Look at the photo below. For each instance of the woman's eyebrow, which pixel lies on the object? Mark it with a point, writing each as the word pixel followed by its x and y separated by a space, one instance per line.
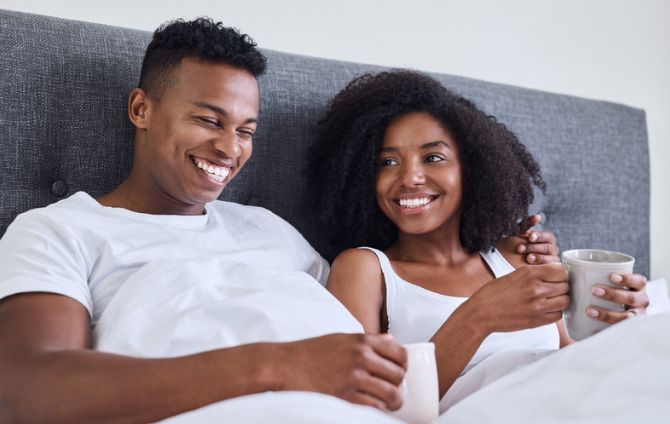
pixel 435 144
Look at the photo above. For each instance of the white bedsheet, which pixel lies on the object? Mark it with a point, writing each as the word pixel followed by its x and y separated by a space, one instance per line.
pixel 621 375
pixel 174 308
pixel 284 407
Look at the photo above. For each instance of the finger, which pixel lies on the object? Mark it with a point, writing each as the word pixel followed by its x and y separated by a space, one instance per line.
pixel 607 315
pixel 551 317
pixel 535 259
pixel 384 369
pixel 542 249
pixel 365 399
pixel 555 291
pixel 636 282
pixel 540 237
pixel 377 388
pixel 530 222
pixel 385 346
pixel 621 296
pixel 551 273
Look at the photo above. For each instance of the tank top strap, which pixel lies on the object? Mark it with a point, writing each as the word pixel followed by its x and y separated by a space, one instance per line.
pixel 390 282
pixel 497 262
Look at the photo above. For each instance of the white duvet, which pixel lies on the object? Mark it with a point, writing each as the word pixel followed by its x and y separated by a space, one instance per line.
pixel 176 308
pixel 621 375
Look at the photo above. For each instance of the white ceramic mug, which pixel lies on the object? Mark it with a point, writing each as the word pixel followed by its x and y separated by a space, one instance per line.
pixel 420 391
pixel 588 267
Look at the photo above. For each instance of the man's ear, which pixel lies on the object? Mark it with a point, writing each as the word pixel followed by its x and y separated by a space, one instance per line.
pixel 139 108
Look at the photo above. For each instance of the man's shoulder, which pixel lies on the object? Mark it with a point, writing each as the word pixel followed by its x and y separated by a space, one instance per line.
pixel 62 211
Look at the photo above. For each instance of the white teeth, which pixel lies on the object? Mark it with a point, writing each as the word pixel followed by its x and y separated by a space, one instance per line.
pixel 414 203
pixel 216 172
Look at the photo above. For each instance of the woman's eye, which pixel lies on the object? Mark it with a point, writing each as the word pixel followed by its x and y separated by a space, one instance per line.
pixel 434 158
pixel 388 162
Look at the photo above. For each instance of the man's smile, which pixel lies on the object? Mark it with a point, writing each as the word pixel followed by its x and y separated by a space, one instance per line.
pixel 215 172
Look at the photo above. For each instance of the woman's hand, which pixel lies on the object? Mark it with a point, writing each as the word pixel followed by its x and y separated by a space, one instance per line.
pixel 631 293
pixel 529 297
pixel 538 247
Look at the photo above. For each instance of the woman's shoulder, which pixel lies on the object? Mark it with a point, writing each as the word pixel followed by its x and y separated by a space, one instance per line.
pixel 357 260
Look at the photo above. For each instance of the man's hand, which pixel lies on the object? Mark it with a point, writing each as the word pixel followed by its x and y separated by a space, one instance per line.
pixel 539 247
pixel 632 293
pixel 363 369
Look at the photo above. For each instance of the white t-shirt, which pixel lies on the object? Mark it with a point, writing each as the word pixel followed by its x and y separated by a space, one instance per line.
pixel 83 250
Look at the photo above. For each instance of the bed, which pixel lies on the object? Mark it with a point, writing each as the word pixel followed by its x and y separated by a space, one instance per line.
pixel 63 129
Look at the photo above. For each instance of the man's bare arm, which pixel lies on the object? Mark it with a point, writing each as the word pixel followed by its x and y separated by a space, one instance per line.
pixel 50 374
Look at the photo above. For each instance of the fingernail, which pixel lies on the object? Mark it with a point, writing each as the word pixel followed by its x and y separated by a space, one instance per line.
pixel 598 291
pixel 533 236
pixel 531 258
pixel 591 313
pixel 616 278
pixel 521 248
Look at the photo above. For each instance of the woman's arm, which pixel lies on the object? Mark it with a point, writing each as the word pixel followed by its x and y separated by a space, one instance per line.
pixel 526 298
pixel 357 281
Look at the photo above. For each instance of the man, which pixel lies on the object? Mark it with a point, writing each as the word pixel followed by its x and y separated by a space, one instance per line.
pixel 196 111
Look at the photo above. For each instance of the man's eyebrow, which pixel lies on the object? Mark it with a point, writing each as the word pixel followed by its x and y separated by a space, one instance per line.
pixel 221 111
pixel 423 146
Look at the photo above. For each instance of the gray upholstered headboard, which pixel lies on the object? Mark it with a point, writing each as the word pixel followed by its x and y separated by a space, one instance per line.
pixel 63 128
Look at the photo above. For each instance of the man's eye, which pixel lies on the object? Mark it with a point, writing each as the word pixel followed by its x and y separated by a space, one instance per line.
pixel 246 135
pixel 210 121
pixel 434 158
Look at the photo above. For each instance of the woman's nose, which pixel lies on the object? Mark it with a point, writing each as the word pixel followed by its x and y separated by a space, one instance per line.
pixel 413 175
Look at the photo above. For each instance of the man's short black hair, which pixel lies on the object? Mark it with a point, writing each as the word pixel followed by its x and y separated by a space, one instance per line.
pixel 201 38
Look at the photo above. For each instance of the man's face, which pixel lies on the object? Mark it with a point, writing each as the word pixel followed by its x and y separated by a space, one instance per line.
pixel 197 135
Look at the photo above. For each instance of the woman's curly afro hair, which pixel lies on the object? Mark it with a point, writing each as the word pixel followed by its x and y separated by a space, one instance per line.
pixel 498 173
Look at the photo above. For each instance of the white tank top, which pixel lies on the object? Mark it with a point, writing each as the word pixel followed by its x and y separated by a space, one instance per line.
pixel 415 314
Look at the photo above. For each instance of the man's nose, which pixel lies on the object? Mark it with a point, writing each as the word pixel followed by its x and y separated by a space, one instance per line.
pixel 228 144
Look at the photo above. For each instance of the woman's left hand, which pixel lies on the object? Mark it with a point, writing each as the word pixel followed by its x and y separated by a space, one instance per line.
pixel 632 294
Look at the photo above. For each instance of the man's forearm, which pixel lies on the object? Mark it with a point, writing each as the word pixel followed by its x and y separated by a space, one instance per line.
pixel 89 386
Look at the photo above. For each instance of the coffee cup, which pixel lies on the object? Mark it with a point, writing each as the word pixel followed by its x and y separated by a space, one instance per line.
pixel 586 268
pixel 420 391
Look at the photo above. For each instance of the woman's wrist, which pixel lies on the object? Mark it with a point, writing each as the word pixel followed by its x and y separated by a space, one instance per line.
pixel 474 319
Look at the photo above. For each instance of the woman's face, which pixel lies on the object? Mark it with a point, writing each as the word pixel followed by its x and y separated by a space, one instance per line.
pixel 419 175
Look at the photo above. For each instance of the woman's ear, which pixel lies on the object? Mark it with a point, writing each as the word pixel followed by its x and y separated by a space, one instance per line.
pixel 139 108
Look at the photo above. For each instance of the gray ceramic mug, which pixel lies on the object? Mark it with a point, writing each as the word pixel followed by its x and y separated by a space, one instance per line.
pixel 588 267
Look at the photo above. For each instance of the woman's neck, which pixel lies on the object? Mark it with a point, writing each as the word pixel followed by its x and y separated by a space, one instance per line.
pixel 439 248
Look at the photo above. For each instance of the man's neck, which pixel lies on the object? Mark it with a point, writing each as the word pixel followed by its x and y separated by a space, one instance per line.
pixel 135 198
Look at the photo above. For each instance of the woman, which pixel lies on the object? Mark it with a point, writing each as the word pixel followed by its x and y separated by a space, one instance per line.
pixel 431 185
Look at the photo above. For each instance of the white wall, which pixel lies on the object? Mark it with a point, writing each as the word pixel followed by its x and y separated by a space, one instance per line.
pixel 615 50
